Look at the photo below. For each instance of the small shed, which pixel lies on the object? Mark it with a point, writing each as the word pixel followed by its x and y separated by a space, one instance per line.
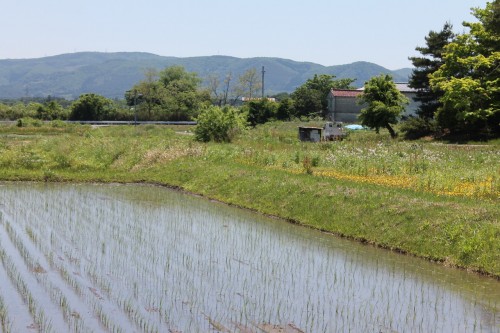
pixel 312 134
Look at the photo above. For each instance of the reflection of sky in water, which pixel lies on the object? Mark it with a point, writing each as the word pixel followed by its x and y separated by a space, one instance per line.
pixel 191 263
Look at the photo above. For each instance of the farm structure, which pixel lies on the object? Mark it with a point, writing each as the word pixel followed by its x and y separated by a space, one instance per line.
pixel 343 104
pixel 310 133
pixel 329 132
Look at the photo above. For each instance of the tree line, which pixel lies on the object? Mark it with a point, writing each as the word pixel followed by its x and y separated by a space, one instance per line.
pixel 175 94
pixel 457 78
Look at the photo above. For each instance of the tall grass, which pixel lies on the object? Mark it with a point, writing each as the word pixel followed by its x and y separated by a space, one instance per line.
pixel 444 169
pixel 457 170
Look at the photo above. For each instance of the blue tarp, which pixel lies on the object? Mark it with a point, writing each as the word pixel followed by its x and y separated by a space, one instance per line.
pixel 354 127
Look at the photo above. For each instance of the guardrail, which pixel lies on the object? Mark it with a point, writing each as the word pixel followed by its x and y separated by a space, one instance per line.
pixel 131 122
pixel 115 122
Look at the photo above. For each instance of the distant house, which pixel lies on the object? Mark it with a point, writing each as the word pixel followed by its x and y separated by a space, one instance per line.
pixel 243 100
pixel 410 93
pixel 343 104
pixel 249 99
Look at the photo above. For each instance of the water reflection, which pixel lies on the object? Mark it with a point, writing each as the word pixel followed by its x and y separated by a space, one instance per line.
pixel 169 261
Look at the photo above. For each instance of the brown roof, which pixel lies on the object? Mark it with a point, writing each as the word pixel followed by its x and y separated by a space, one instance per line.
pixel 345 93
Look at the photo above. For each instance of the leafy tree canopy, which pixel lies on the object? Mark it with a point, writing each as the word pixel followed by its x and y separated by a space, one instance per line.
pixel 385 103
pixel 260 111
pixel 50 110
pixel 178 79
pixel 470 77
pixel 286 109
pixel 172 94
pixel 92 107
pixel 311 97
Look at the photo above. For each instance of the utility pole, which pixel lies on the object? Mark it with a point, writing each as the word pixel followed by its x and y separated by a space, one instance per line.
pixel 263 71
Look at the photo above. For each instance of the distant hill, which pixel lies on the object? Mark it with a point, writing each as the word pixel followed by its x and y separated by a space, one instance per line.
pixel 111 74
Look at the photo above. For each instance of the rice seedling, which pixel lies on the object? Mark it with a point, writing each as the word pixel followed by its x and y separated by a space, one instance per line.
pixel 5 324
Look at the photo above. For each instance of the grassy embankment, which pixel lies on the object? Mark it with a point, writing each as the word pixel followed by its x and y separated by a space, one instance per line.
pixel 432 200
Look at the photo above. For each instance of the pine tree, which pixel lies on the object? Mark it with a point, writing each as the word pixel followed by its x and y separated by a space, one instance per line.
pixel 431 61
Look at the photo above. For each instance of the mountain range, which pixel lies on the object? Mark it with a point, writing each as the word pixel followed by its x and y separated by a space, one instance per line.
pixel 111 74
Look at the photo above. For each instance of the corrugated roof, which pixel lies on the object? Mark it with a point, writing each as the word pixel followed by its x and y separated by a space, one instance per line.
pixel 401 86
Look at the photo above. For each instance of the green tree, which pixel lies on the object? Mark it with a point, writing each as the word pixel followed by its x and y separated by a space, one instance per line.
pixel 50 110
pixel 281 96
pixel 260 111
pixel 470 77
pixel 28 110
pixel 286 109
pixel 307 102
pixel 183 97
pixel 4 109
pixel 92 107
pixel 219 124
pixel 147 96
pixel 430 61
pixel 177 77
pixel 311 97
pixel 20 110
pixel 172 94
pixel 385 103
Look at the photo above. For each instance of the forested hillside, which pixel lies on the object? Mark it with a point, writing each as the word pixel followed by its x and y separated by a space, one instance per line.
pixel 111 74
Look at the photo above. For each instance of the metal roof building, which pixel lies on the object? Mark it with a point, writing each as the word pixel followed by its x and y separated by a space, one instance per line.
pixel 343 104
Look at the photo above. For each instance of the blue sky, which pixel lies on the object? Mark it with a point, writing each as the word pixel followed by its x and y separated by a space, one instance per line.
pixel 328 32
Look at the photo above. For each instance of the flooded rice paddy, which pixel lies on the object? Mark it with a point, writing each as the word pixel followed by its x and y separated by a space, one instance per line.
pixel 131 258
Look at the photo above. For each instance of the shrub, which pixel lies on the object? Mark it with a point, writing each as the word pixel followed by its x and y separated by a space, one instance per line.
pixel 29 122
pixel 58 123
pixel 307 164
pixel 219 124
pixel 260 111
pixel 416 127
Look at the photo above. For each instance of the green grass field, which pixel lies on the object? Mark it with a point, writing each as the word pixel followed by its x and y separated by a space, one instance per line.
pixel 431 199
